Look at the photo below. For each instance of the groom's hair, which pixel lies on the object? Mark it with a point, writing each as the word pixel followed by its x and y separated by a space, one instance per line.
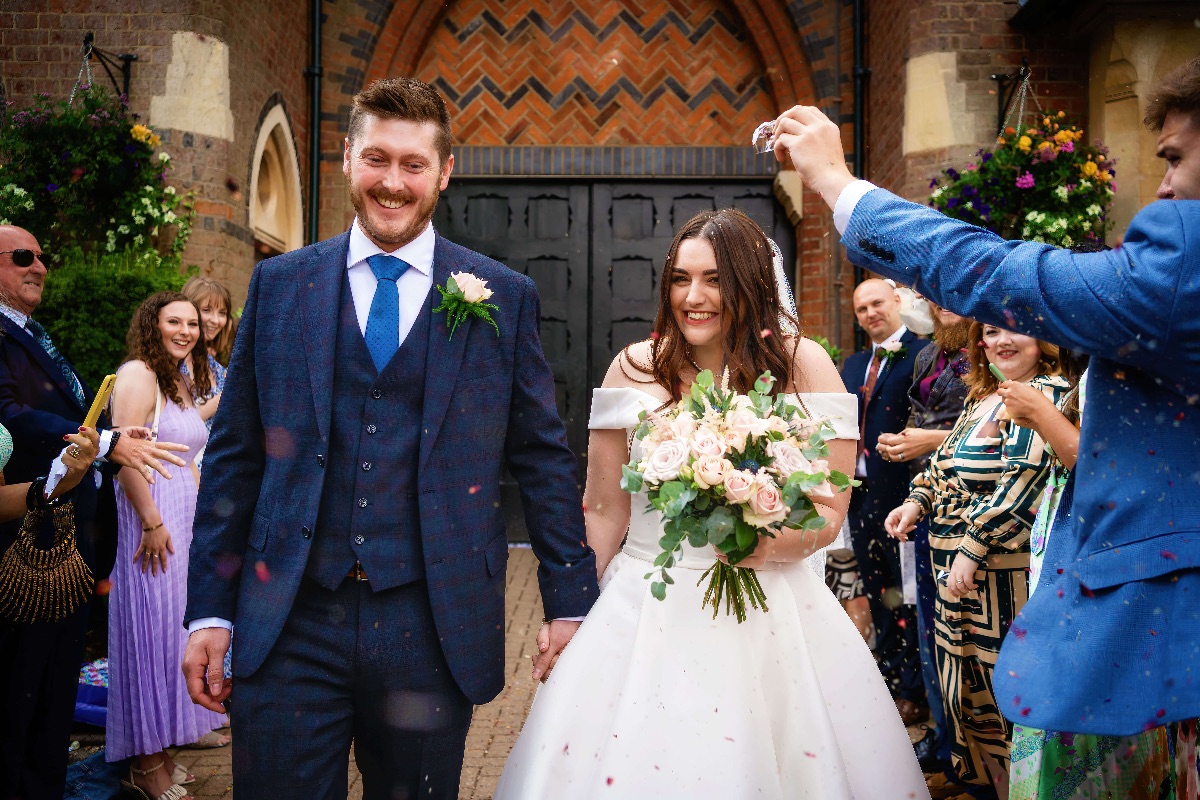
pixel 403 98
pixel 1178 91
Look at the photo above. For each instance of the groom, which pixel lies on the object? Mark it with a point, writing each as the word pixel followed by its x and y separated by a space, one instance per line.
pixel 349 524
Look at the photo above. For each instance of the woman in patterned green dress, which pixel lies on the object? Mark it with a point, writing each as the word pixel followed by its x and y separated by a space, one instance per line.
pixel 980 493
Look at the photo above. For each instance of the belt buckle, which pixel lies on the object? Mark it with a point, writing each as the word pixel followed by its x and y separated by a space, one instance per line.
pixel 357 572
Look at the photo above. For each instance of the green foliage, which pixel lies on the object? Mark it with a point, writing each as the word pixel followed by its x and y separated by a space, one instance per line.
pixel 86 175
pixel 89 301
pixel 1041 183
pixel 835 352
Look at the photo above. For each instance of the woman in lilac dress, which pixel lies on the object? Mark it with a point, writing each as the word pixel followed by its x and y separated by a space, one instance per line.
pixel 148 705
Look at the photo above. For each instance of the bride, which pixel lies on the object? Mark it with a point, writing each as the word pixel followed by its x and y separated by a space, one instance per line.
pixel 658 699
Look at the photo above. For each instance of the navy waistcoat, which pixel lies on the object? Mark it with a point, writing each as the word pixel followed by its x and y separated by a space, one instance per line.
pixel 368 510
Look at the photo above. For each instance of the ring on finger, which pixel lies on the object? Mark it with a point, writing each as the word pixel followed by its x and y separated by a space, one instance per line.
pixel 74 451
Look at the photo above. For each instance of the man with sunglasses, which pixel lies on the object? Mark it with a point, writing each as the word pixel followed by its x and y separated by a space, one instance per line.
pixel 41 400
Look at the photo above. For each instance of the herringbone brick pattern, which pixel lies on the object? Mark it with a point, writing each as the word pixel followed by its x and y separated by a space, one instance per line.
pixel 597 72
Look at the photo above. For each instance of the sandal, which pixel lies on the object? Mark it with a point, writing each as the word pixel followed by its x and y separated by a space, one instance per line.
pixel 209 741
pixel 182 776
pixel 174 792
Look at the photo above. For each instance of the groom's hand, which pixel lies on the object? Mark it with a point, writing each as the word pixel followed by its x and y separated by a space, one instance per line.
pixel 204 668
pixel 813 142
pixel 552 639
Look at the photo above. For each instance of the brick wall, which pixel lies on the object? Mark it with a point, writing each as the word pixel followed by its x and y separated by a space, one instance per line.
pixel 978 31
pixel 40 51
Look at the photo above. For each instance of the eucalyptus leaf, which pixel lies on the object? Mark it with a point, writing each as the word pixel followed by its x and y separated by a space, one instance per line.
pixel 745 535
pixel 659 590
pixel 631 479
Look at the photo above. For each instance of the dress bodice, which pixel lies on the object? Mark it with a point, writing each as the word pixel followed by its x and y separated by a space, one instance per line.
pixel 619 409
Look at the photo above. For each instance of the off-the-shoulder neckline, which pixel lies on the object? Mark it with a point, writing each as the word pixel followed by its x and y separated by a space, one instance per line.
pixel 660 401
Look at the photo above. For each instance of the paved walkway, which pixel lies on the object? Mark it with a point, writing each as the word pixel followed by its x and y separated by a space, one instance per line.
pixel 494 728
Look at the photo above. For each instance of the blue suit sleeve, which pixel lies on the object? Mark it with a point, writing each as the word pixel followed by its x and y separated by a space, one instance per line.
pixel 233 470
pixel 1125 304
pixel 546 471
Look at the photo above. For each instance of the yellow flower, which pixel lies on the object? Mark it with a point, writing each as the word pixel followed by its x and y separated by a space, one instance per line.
pixel 1062 137
pixel 1000 140
pixel 1044 145
pixel 1104 175
pixel 1089 169
pixel 154 140
pixel 1023 144
pixel 1062 114
pixel 140 132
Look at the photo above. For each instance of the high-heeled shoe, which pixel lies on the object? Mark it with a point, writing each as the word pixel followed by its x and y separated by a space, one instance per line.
pixel 173 792
pixel 182 776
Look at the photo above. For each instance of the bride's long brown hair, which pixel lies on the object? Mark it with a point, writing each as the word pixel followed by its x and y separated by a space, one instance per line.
pixel 753 340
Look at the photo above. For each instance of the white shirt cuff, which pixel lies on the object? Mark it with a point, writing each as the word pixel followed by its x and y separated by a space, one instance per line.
pixel 847 201
pixel 105 444
pixel 567 619
pixel 209 622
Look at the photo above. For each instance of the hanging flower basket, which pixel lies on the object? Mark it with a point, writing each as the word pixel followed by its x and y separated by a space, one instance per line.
pixel 1042 184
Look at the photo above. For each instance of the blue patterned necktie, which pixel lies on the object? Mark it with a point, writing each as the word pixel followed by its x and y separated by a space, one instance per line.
pixel 44 340
pixel 383 323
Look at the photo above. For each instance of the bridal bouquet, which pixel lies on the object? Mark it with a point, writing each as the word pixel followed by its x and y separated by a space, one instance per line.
pixel 724 469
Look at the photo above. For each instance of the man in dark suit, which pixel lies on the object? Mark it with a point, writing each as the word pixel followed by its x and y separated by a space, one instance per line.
pixel 42 399
pixel 349 522
pixel 881 376
pixel 1109 641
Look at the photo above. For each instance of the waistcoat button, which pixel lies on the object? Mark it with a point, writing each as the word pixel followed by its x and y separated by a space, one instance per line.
pixel 305 532
pixel 376 394
pixel 359 539
pixel 362 502
pixel 371 428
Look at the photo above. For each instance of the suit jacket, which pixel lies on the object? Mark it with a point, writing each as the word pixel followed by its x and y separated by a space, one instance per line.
pixel 489 400
pixel 885 412
pixel 38 407
pixel 1110 641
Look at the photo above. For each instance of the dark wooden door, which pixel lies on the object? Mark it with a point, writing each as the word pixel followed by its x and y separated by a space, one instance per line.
pixel 595 250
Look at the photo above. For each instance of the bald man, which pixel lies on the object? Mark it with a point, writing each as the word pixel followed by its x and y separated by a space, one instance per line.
pixel 881 376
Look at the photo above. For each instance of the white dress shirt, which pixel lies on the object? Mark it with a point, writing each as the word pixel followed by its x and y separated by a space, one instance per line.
pixel 847 201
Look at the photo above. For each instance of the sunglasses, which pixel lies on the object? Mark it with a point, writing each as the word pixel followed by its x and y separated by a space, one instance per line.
pixel 23 257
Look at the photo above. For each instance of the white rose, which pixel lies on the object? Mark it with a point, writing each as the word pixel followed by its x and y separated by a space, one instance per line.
pixel 666 461
pixel 787 459
pixel 709 471
pixel 745 422
pixel 707 443
pixel 684 425
pixel 474 290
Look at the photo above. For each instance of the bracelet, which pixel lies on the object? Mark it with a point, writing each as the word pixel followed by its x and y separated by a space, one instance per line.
pixel 112 443
pixel 151 528
pixel 34 497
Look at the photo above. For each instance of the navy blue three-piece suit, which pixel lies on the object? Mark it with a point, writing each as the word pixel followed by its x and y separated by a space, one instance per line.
pixel 884 488
pixel 318 462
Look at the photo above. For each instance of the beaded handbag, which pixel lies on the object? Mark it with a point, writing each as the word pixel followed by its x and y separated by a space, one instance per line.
pixel 40 585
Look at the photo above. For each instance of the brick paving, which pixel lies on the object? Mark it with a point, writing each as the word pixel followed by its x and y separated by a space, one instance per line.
pixel 494 727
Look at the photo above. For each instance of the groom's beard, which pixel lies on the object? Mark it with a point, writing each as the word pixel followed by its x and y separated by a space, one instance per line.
pixel 393 235
pixel 951 338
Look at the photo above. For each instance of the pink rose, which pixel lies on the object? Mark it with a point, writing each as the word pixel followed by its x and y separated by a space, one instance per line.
pixel 709 471
pixel 787 459
pixel 766 505
pixel 684 425
pixel 474 289
pixel 706 443
pixel 666 461
pixel 739 485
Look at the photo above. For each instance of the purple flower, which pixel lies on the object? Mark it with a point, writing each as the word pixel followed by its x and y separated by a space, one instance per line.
pixel 953 173
pixel 933 184
pixel 1026 181
pixel 51 187
pixel 986 157
pixel 1067 147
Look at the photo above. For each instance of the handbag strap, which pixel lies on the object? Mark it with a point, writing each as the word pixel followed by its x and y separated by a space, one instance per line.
pixel 158 404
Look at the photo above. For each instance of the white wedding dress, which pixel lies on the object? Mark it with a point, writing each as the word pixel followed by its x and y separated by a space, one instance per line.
pixel 656 699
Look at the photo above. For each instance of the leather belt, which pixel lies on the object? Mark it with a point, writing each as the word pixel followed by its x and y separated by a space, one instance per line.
pixel 357 572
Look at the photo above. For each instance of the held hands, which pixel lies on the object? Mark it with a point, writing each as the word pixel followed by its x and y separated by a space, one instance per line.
pixel 552 639
pixel 763 552
pixel 814 144
pixel 81 451
pixel 153 550
pixel 962 575
pixel 203 668
pixel 136 450
pixel 1026 406
pixel 901 520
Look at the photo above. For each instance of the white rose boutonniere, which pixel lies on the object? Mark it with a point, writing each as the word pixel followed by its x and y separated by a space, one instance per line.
pixel 464 296
pixel 895 349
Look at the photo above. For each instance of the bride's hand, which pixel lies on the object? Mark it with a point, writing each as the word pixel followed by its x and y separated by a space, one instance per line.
pixel 756 560
pixel 552 639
